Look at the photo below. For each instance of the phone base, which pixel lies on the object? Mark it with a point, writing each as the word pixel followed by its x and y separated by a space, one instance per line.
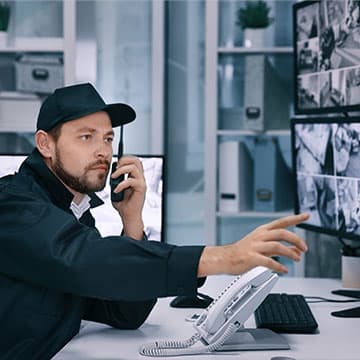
pixel 255 339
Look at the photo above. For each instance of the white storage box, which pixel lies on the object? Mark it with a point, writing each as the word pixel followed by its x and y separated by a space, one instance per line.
pixel 18 112
pixel 39 73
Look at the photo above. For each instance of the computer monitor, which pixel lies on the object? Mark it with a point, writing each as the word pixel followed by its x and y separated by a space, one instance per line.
pixel 107 219
pixel 326 56
pixel 326 165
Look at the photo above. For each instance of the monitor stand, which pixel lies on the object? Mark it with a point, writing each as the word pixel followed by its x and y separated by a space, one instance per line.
pixel 352 312
pixel 348 313
pixel 347 292
pixel 199 301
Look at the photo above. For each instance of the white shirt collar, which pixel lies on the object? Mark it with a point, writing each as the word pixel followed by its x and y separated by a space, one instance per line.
pixel 79 209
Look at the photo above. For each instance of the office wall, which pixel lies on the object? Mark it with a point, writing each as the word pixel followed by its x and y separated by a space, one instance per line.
pixel 114 51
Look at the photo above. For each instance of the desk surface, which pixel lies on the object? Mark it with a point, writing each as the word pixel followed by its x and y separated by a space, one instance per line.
pixel 336 339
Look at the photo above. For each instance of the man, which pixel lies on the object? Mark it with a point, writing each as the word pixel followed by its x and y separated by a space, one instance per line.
pixel 56 269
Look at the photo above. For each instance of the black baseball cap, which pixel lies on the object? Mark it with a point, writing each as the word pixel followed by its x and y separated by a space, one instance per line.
pixel 73 102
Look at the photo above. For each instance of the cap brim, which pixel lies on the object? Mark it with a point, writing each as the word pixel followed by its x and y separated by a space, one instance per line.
pixel 120 114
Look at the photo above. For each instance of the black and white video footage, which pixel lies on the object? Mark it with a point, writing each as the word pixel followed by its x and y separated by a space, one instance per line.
pixel 347 150
pixel 348 210
pixel 314 150
pixel 339 34
pixel 307 56
pixel 316 196
pixel 307 23
pixel 332 88
pixel 308 91
pixel 352 80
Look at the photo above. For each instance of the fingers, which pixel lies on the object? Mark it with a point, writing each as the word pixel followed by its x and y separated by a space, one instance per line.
pixel 132 170
pixel 128 160
pixel 135 184
pixel 288 236
pixel 132 166
pixel 129 165
pixel 278 249
pixel 287 221
pixel 271 264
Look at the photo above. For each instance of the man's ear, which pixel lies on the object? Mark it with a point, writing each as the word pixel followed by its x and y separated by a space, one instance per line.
pixel 45 144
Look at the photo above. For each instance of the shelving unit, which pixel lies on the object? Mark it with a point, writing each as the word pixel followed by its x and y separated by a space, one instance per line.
pixel 214 135
pixel 33 44
pixel 245 50
pixel 252 133
pixel 252 214
pixel 64 45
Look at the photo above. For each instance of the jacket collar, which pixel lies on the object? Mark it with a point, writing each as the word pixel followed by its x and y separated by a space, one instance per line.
pixel 61 196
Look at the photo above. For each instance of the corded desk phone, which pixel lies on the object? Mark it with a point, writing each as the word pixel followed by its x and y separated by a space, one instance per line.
pixel 219 327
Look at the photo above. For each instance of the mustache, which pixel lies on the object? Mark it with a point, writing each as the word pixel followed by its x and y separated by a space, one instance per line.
pixel 98 163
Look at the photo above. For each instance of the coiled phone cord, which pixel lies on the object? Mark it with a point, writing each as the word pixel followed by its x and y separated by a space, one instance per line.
pixel 183 347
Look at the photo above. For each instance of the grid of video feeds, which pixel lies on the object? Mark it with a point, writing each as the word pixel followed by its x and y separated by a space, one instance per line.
pixel 327 168
pixel 327 48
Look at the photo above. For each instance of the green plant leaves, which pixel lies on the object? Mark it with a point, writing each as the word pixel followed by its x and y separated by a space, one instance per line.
pixel 4 15
pixel 255 14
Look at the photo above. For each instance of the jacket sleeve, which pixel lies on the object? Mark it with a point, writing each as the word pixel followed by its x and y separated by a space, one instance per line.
pixel 44 245
pixel 119 314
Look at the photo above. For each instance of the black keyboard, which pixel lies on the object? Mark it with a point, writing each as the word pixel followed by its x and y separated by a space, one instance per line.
pixel 285 313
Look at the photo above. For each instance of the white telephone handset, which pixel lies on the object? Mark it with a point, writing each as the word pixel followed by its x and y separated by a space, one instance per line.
pixel 236 303
pixel 223 317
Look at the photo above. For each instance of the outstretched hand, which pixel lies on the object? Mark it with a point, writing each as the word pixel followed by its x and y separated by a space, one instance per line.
pixel 255 249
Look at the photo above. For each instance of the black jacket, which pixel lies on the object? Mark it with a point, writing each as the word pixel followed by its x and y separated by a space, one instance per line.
pixel 56 270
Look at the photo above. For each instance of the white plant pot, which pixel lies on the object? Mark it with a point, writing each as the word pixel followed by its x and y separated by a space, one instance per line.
pixel 3 39
pixel 254 38
pixel 350 269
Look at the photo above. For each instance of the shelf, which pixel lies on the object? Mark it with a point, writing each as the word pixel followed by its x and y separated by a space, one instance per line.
pixel 253 133
pixel 17 96
pixel 265 50
pixel 253 214
pixel 30 44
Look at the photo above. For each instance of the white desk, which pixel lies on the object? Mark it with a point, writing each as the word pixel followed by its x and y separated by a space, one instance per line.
pixel 337 338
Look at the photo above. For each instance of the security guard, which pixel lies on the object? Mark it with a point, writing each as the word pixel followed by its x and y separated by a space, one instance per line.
pixel 55 267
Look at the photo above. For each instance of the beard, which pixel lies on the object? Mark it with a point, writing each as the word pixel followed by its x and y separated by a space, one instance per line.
pixel 81 184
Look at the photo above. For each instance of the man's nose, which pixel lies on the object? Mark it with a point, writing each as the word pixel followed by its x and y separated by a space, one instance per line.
pixel 103 149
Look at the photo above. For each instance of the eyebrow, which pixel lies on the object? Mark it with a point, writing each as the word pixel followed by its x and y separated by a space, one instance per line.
pixel 92 130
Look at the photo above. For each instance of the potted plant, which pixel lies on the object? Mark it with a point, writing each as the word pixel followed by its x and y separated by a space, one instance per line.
pixel 4 21
pixel 253 19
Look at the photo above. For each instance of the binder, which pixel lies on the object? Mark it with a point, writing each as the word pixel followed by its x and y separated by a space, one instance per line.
pixel 273 179
pixel 266 99
pixel 235 177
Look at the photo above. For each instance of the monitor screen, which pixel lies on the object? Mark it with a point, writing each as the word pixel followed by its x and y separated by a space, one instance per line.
pixel 327 56
pixel 326 165
pixel 107 219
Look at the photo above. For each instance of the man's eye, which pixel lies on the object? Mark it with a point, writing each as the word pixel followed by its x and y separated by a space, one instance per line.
pixel 109 139
pixel 85 137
